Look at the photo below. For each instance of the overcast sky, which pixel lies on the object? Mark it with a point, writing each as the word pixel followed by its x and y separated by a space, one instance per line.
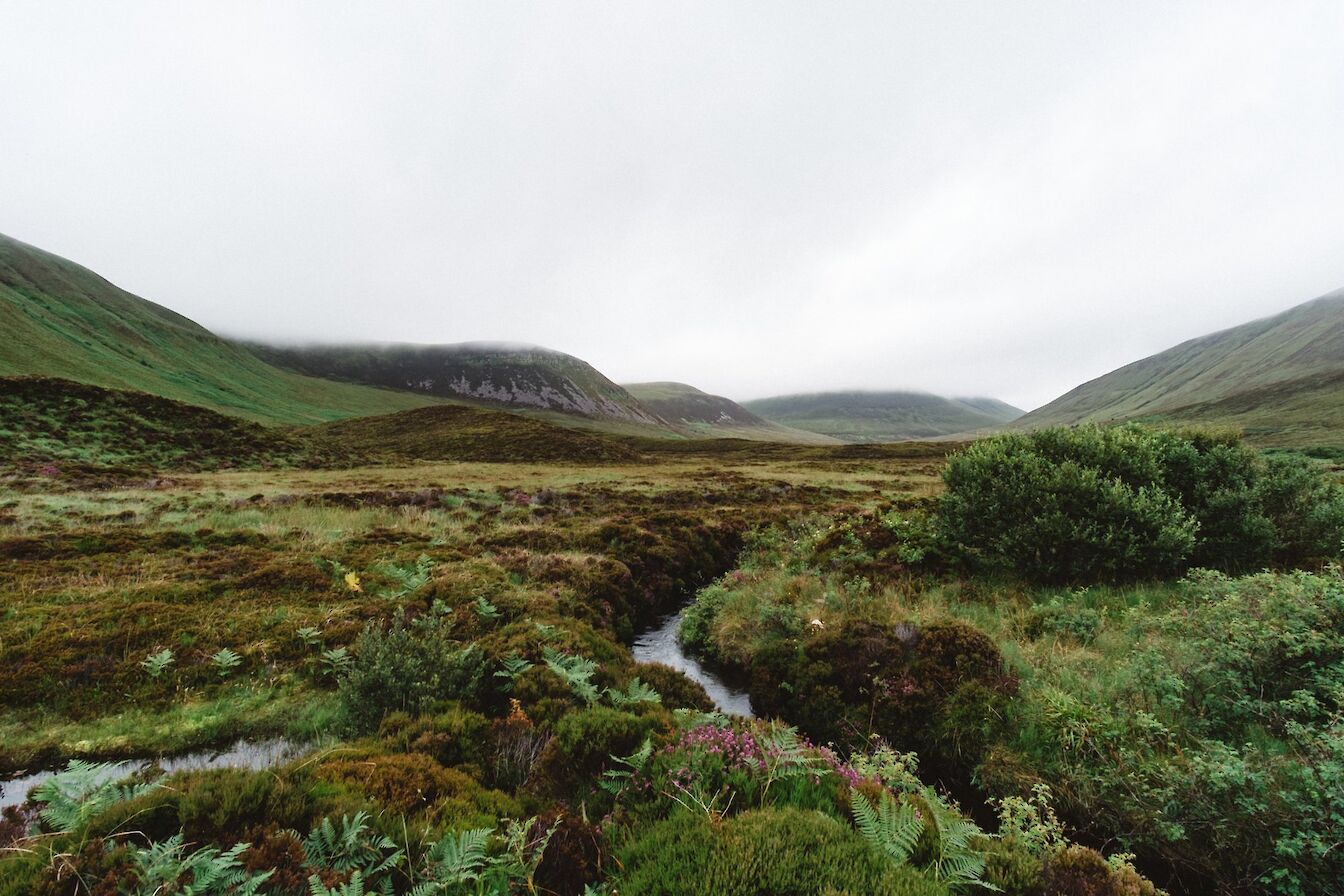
pixel 1002 198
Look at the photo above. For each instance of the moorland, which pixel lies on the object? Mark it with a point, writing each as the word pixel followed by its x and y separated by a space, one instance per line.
pixel 1060 661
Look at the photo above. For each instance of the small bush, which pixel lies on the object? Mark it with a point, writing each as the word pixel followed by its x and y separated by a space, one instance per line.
pixel 583 745
pixel 99 868
pixel 574 856
pixel 406 666
pixel 222 805
pixel 401 782
pixel 1079 871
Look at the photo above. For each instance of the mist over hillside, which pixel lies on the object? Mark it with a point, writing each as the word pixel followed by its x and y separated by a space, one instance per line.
pixel 859 416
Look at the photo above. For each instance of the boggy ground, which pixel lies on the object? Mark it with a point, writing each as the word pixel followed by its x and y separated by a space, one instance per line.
pixel 97 580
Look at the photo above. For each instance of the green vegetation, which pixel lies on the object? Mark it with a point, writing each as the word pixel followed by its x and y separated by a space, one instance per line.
pixel 1194 722
pixel 1279 379
pixel 62 320
pixel 440 601
pixel 884 416
pixel 1106 505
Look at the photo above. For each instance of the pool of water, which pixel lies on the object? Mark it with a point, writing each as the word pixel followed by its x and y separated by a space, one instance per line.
pixel 243 754
pixel 661 645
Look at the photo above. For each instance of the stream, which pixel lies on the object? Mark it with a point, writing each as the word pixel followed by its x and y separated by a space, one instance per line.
pixel 658 644
pixel 243 754
pixel 661 645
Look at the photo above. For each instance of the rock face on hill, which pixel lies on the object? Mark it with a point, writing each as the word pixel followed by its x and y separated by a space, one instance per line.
pixel 524 377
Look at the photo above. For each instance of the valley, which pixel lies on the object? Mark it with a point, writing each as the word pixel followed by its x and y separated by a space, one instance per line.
pixel 618 636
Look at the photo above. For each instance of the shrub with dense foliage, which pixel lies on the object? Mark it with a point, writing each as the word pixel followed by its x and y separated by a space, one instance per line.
pixel 405 666
pixel 1092 504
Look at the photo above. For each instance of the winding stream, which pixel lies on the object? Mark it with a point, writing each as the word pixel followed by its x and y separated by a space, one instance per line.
pixel 253 755
pixel 660 645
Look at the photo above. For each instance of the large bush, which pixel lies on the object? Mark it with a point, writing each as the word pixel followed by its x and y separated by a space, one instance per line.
pixel 1092 504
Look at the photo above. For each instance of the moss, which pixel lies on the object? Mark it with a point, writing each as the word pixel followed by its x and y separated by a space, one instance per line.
pixel 583 745
pixel 783 852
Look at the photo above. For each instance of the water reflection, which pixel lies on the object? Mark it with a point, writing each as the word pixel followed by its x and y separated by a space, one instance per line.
pixel 253 755
pixel 660 645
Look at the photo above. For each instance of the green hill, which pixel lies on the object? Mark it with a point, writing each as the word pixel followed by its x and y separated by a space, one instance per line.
pixel 713 416
pixel 1281 379
pixel 65 433
pixel 63 320
pixel 527 378
pixel 883 416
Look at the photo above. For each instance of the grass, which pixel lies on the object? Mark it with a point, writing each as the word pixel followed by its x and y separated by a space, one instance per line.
pixel 99 578
pixel 248 711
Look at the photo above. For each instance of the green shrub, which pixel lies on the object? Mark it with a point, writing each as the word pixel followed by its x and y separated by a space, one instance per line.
pixel 940 690
pixel 1013 868
pixel 222 805
pixel 406 666
pixel 1067 621
pixel 1092 504
pixel 1066 505
pixel 584 742
pixel 697 622
pixel 782 852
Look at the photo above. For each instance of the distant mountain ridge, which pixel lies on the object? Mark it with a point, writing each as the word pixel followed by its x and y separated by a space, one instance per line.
pixel 1280 378
pixel 859 416
pixel 524 377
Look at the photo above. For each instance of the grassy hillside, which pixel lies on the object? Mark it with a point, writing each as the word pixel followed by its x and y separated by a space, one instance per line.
pixel 63 320
pixel 64 433
pixel 518 377
pixel 1281 378
pixel 883 416
pixel 713 416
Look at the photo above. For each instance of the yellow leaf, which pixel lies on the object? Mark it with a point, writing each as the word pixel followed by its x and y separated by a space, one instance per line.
pixel 352 581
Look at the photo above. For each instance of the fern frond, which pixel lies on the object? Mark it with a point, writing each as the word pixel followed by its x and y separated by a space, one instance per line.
pixel 83 790
pixel 577 672
pixel 635 692
pixel 455 860
pixel 893 827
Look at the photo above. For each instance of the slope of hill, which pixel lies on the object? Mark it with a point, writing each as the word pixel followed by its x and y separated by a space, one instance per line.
pixel 455 432
pixel 68 434
pixel 713 416
pixel 63 320
pixel 883 416
pixel 1281 378
pixel 520 377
